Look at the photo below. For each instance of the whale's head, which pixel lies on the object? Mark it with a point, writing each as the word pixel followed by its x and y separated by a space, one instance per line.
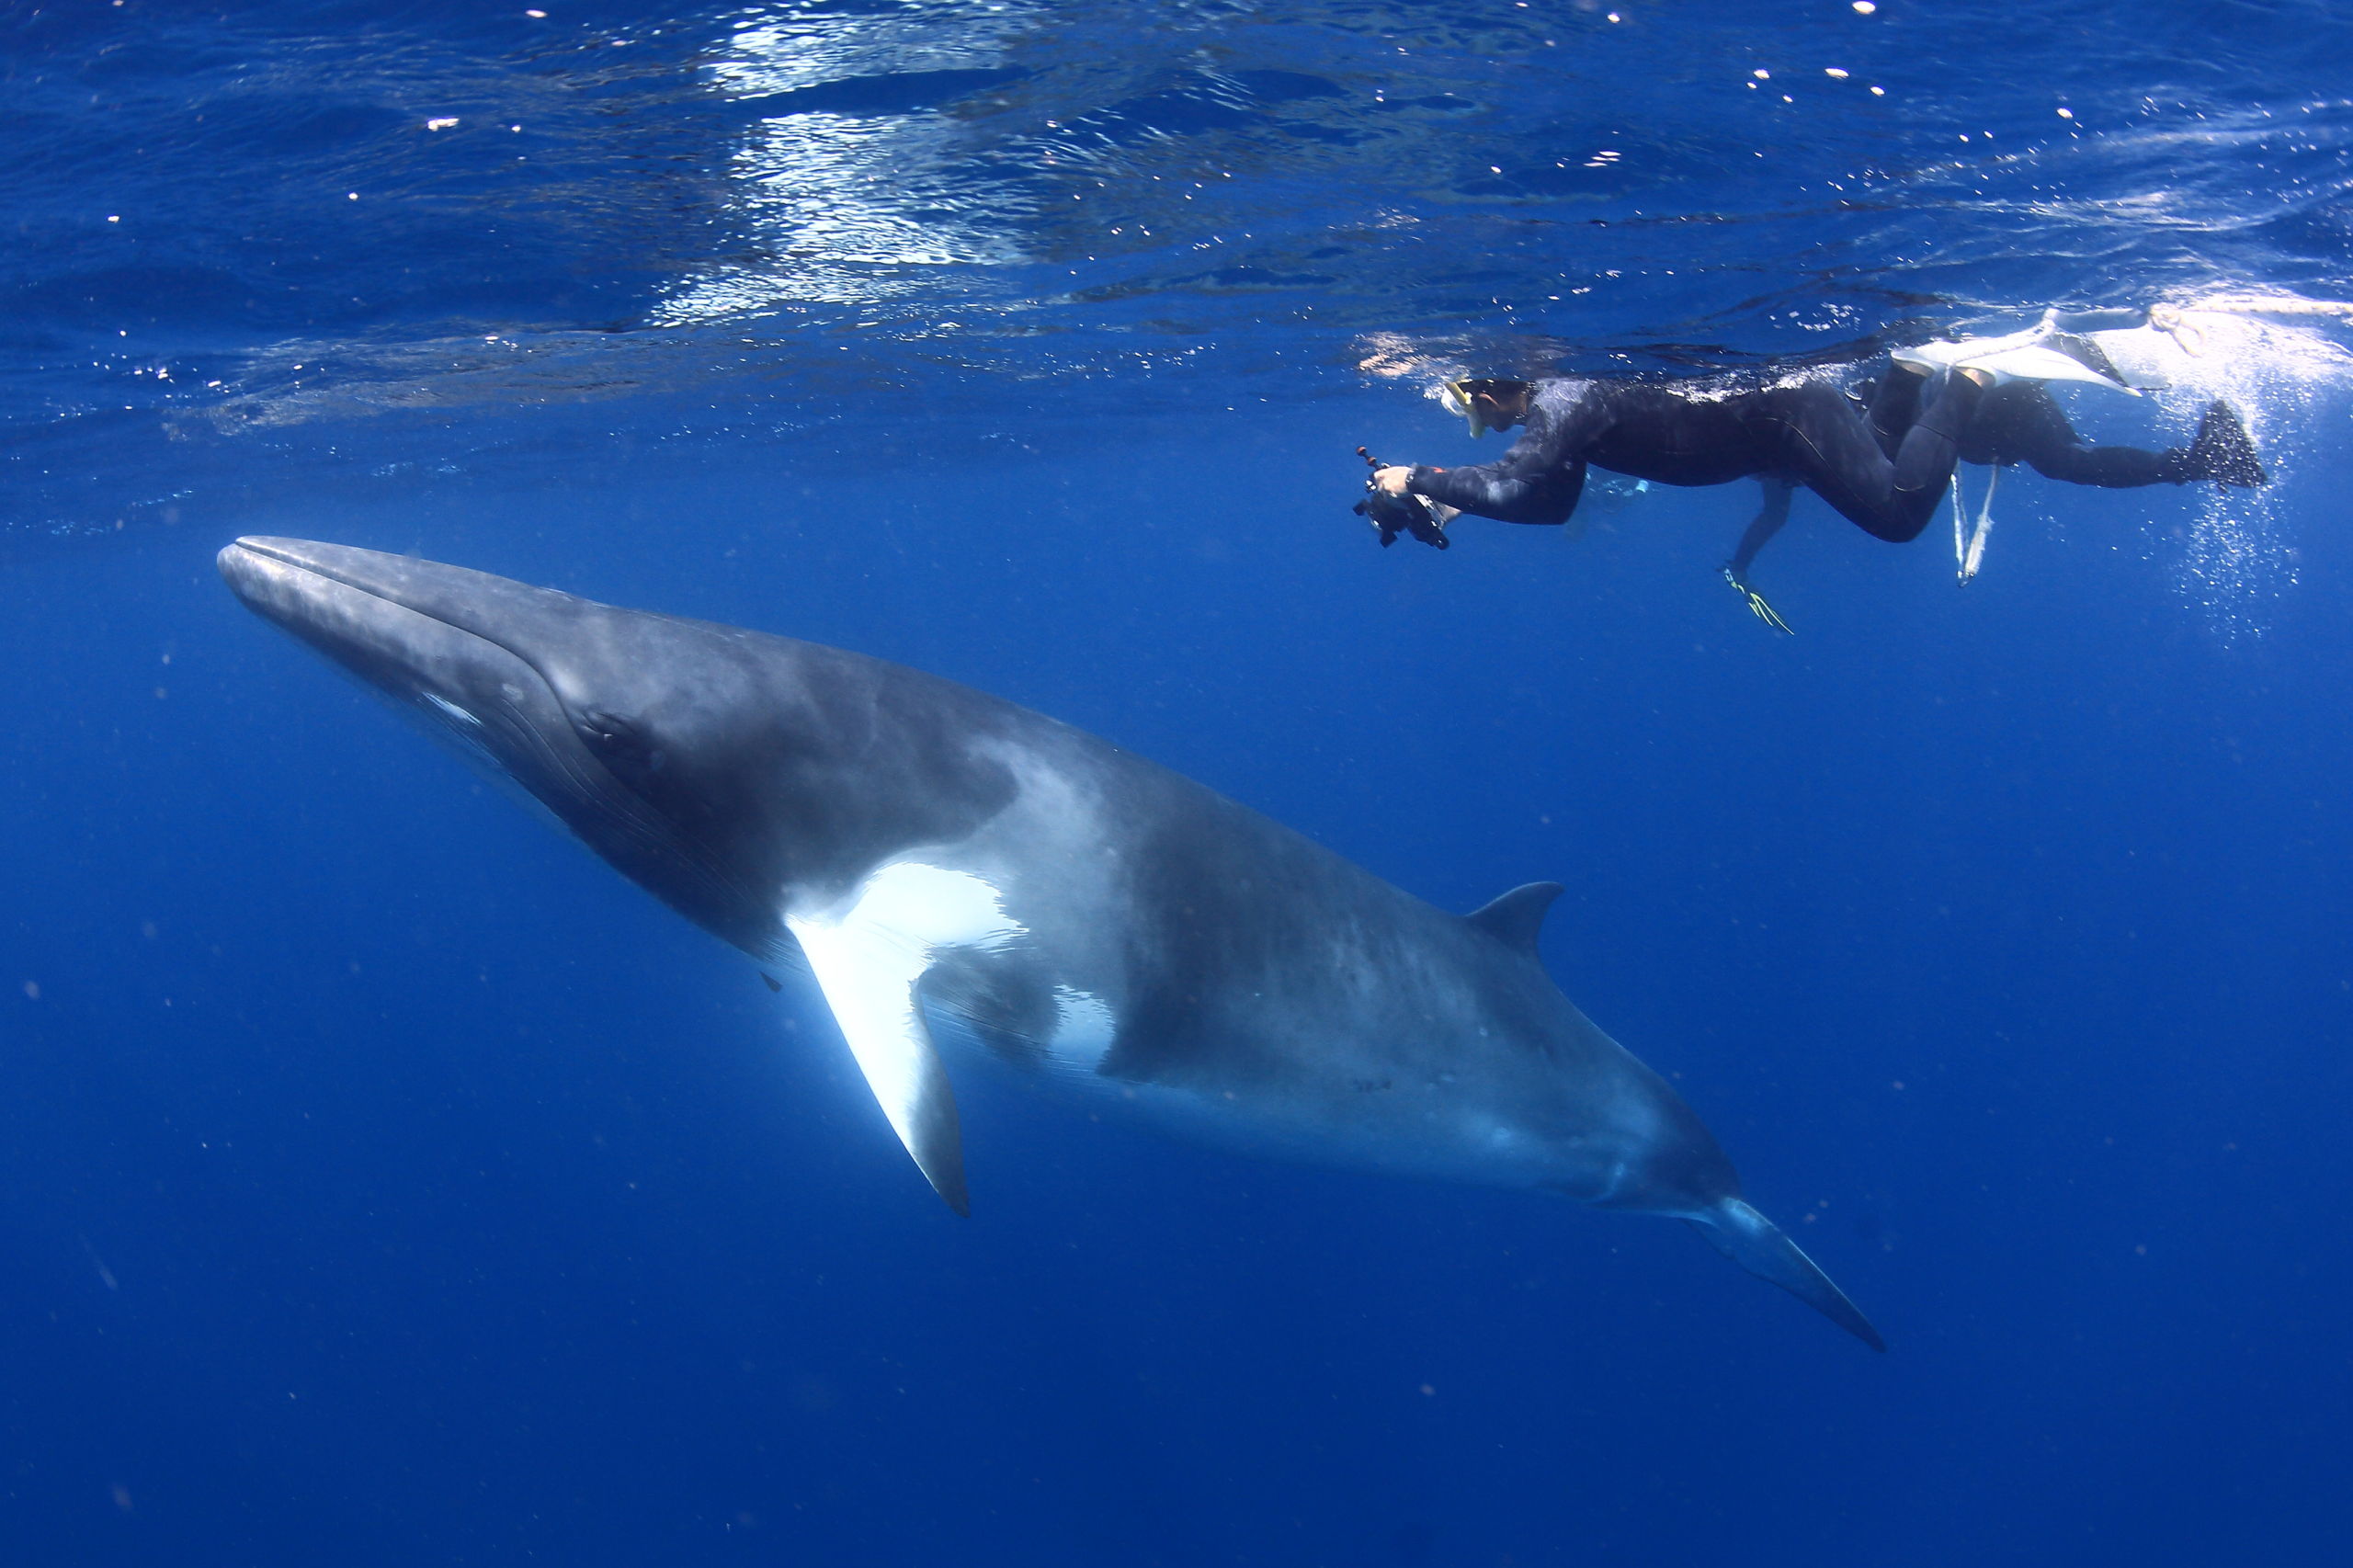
pixel 725 771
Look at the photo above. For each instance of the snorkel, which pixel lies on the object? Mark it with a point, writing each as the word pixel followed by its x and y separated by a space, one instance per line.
pixel 1461 400
pixel 1487 402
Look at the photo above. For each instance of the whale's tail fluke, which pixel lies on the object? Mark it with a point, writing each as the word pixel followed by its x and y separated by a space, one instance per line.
pixel 1757 1244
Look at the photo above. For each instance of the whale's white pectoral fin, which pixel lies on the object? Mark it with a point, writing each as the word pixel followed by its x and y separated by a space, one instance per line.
pixel 868 956
pixel 873 1001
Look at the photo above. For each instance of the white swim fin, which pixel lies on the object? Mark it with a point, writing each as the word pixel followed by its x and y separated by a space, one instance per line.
pixel 2019 356
pixel 2037 362
pixel 1938 353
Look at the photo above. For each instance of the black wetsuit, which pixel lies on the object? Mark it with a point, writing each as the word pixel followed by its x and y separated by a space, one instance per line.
pixel 2019 423
pixel 1804 430
pixel 2015 423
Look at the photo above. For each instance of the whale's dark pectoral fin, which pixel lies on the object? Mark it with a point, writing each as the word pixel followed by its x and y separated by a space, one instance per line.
pixel 1516 917
pixel 1757 1244
pixel 882 1021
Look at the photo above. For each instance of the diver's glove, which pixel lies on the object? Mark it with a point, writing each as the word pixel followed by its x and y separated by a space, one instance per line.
pixel 1394 515
pixel 1757 605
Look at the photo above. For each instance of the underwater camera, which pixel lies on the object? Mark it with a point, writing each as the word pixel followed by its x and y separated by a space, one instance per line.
pixel 1394 515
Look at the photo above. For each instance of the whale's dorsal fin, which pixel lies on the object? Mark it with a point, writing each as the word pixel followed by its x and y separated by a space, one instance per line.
pixel 869 953
pixel 1514 918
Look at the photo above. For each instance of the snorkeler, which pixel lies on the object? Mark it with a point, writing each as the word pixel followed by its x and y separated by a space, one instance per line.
pixel 1883 464
pixel 1804 429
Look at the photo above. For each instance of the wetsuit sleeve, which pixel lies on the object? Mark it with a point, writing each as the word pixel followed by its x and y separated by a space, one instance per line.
pixel 1538 480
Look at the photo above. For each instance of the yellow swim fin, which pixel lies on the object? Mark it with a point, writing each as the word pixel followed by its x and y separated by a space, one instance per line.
pixel 1758 606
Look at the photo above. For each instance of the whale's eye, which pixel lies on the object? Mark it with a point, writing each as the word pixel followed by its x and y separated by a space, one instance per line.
pixel 618 743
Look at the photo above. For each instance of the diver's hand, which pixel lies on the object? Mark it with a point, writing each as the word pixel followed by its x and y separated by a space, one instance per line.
pixel 1390 481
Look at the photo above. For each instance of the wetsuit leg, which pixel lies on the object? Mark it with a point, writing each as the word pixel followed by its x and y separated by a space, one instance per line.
pixel 1823 442
pixel 2020 422
pixel 1772 511
pixel 1896 402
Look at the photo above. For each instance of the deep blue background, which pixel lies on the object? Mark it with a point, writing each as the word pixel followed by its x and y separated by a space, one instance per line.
pixel 462 1204
pixel 384 1181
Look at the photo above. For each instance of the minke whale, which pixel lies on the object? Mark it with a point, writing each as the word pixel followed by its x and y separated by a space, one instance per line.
pixel 955 870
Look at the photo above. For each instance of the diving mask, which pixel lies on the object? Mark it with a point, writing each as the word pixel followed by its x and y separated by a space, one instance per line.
pixel 1459 402
pixel 1463 393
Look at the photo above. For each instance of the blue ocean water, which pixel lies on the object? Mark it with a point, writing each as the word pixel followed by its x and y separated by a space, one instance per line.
pixel 384 1181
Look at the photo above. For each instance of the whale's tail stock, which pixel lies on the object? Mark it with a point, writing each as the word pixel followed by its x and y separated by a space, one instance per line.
pixel 1742 1235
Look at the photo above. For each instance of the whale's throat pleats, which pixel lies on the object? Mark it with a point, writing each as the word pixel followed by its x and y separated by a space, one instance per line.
pixel 869 952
